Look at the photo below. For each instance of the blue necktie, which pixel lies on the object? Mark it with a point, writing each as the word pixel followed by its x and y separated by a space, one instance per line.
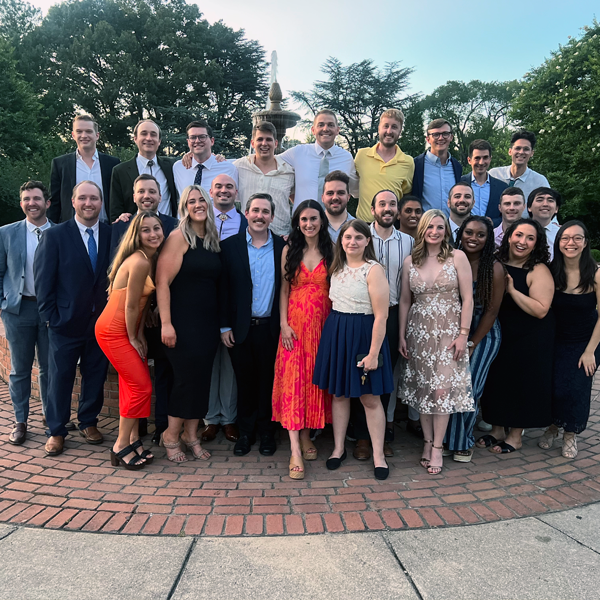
pixel 92 249
pixel 198 178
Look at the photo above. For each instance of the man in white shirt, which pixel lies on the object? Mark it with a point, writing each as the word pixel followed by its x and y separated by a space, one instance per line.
pixel 543 205
pixel 312 162
pixel 511 207
pixel 460 204
pixel 265 172
pixel 335 199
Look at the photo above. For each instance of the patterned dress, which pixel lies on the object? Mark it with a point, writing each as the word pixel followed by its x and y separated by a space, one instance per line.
pixel 434 382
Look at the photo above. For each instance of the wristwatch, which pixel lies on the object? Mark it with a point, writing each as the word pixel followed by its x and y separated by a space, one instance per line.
pixel 470 344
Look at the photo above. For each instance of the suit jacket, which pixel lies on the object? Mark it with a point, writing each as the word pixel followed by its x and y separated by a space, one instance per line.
pixel 62 181
pixel 120 227
pixel 70 294
pixel 417 186
pixel 496 188
pixel 121 186
pixel 13 258
pixel 236 287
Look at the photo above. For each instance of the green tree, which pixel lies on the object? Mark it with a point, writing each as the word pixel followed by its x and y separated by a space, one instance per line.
pixel 17 19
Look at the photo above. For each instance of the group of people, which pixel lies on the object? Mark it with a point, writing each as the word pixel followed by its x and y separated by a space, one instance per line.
pixel 260 299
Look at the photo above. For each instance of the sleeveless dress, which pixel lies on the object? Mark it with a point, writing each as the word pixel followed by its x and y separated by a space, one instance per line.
pixel 347 333
pixel 297 402
pixel 135 385
pixel 576 316
pixel 194 315
pixel 434 382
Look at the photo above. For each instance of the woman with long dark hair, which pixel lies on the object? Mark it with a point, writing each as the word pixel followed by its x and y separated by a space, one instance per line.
pixel 576 351
pixel 298 404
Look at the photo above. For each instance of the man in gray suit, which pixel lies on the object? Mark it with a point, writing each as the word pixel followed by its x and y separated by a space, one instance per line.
pixel 23 327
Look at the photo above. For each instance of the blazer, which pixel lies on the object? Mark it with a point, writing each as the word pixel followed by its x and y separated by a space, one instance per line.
pixel 63 176
pixel 417 186
pixel 121 186
pixel 119 228
pixel 497 186
pixel 13 258
pixel 70 294
pixel 236 286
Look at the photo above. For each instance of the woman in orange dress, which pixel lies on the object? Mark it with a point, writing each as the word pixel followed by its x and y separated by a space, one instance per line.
pixel 120 332
pixel 304 304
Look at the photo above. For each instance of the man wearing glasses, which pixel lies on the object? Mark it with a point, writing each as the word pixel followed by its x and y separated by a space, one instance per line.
pixel 435 170
pixel 204 165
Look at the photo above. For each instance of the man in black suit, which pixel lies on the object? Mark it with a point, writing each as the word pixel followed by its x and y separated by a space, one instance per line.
pixel 147 137
pixel 250 320
pixel 69 270
pixel 85 164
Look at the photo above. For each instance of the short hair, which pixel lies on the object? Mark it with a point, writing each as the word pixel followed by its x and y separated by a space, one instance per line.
pixel 33 184
pixel 393 113
pixel 437 123
pixel 261 196
pixel 77 185
pixel 146 177
pixel 202 123
pixel 265 127
pixel 459 183
pixel 523 134
pixel 338 176
pixel 137 126
pixel 546 191
pixel 409 198
pixel 512 191
pixel 381 192
pixel 326 111
pixel 479 145
pixel 86 118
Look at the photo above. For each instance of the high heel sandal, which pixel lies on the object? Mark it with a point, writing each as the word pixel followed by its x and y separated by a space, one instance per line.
pixel 178 457
pixel 118 458
pixel 569 449
pixel 145 454
pixel 309 450
pixel 203 454
pixel 547 439
pixel 434 469
pixel 425 461
pixel 296 462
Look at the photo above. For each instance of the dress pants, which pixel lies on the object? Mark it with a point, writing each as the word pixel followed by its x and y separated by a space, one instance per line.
pixel 222 404
pixel 254 366
pixel 24 333
pixel 64 352
pixel 163 376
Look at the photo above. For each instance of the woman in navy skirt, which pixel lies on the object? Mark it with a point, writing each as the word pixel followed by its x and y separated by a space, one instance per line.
pixel 354 357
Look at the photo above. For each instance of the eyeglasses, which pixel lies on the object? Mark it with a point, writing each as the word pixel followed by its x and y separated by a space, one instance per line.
pixel 578 239
pixel 200 138
pixel 444 134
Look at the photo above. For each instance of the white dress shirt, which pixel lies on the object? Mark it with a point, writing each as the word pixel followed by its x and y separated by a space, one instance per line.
pixel 551 230
pixel 212 168
pixel 454 229
pixel 32 244
pixel 84 173
pixel 164 205
pixel 529 181
pixel 84 235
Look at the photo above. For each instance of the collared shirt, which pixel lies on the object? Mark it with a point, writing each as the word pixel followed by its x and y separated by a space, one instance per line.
pixel 481 193
pixel 376 175
pixel 306 160
pixel 454 228
pixel 164 205
pixel 279 183
pixel 230 226
pixel 391 254
pixel 184 177
pixel 84 173
pixel 498 235
pixel 262 270
pixel 85 237
pixel 334 233
pixel 551 230
pixel 32 244
pixel 438 180
pixel 529 181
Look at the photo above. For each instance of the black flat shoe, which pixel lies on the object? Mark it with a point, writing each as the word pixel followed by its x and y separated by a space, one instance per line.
pixel 335 463
pixel 267 445
pixel 381 473
pixel 243 446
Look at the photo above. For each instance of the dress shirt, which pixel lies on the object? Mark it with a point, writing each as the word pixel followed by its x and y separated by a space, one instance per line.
pixel 85 237
pixel 498 235
pixel 333 233
pixel 231 226
pixel 164 205
pixel 306 160
pixel 453 228
pixel 262 271
pixel 551 230
pixel 375 175
pixel 391 254
pixel 529 181
pixel 481 193
pixel 184 177
pixel 438 180
pixel 32 244
pixel 84 173
pixel 279 183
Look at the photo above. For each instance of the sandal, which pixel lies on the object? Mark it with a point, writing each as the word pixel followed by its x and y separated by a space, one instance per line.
pixel 309 450
pixel 548 438
pixel 569 449
pixel 485 441
pixel 425 461
pixel 296 468
pixel 504 448
pixel 435 469
pixel 177 457
pixel 145 454
pixel 463 456
pixel 203 454
pixel 118 458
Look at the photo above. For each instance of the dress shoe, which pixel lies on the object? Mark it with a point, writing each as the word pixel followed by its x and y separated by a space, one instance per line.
pixel 19 434
pixel 209 433
pixel 159 429
pixel 415 428
pixel 70 426
pixel 92 435
pixel 362 451
pixel 55 445
pixel 267 444
pixel 387 450
pixel 243 445
pixel 389 432
pixel 231 432
pixel 335 463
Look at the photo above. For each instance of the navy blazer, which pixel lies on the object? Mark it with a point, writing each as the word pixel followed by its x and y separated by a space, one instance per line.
pixel 70 294
pixel 497 186
pixel 120 227
pixel 417 186
pixel 63 177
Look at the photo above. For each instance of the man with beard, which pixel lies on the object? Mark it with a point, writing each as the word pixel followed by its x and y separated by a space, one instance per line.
pixel 335 199
pixel 460 204
pixel 384 166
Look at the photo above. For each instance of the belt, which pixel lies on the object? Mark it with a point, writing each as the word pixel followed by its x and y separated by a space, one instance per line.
pixel 262 321
pixel 29 298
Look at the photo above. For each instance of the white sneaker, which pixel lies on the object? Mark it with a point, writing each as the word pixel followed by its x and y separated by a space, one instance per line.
pixel 483 426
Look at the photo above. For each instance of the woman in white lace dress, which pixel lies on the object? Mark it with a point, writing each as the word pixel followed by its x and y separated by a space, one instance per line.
pixel 436 307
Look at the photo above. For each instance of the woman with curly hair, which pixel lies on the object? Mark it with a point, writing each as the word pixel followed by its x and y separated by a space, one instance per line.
pixel 304 305
pixel 518 390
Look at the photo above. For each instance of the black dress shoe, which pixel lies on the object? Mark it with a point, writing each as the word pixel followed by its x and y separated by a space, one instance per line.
pixel 70 426
pixel 19 434
pixel 335 463
pixel 267 444
pixel 158 431
pixel 415 428
pixel 381 473
pixel 243 446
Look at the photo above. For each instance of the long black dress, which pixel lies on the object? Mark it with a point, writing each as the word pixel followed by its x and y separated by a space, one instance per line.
pixel 518 390
pixel 194 315
pixel 576 317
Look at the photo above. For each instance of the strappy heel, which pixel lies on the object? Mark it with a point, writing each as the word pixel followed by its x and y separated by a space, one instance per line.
pixel 118 458
pixel 569 449
pixel 434 469
pixel 425 461
pixel 548 438
pixel 202 455
pixel 178 457
pixel 145 454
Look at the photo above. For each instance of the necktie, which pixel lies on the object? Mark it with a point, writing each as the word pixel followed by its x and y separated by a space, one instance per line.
pixel 38 232
pixel 223 217
pixel 323 172
pixel 151 163
pixel 511 183
pixel 198 178
pixel 92 249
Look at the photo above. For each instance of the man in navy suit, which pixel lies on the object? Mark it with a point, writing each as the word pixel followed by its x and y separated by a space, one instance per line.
pixel 23 327
pixel 70 274
pixel 86 163
pixel 486 189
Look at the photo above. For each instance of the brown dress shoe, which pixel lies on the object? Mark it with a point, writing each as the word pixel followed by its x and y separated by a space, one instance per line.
pixel 362 450
pixel 209 433
pixel 19 434
pixel 92 435
pixel 387 450
pixel 55 445
pixel 231 432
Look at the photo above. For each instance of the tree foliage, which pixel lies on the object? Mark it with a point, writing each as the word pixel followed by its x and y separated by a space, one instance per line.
pixel 17 19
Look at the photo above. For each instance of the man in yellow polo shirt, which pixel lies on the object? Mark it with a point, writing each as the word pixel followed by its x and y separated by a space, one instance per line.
pixel 384 166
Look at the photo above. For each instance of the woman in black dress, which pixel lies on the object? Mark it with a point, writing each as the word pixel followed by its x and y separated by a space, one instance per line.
pixel 187 285
pixel 518 390
pixel 576 352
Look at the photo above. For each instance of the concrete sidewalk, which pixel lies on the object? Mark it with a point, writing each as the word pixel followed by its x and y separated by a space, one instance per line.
pixel 553 557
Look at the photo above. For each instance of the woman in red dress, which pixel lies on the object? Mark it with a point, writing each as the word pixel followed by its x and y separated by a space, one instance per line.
pixel 304 304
